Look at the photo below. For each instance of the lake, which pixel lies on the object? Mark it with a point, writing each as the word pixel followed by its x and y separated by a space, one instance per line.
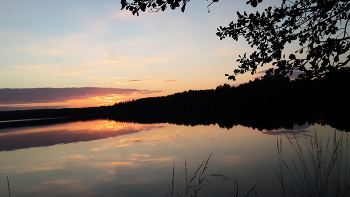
pixel 108 158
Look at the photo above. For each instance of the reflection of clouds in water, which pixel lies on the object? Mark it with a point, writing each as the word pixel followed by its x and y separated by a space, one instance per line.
pixel 95 126
pixel 147 158
pixel 296 131
pixel 98 149
pixel 237 158
pixel 41 168
pixel 298 127
pixel 56 163
pixel 108 145
pixel 60 182
pixel 281 131
pixel 140 155
pixel 134 140
pixel 131 161
pixel 123 163
pixel 70 133
pixel 123 145
pixel 158 159
pixel 173 135
pixel 135 157
pixel 111 164
pixel 151 141
pixel 128 141
pixel 73 158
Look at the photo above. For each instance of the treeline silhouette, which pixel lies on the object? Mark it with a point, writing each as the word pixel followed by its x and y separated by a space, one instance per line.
pixel 261 102
pixel 266 103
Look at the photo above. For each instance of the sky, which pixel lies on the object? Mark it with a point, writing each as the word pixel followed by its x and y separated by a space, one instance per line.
pixel 92 53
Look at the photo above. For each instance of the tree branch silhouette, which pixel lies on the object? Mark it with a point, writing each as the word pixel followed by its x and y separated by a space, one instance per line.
pixel 320 27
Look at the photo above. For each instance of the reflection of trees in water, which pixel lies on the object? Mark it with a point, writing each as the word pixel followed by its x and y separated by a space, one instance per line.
pixel 190 119
pixel 194 119
pixel 11 142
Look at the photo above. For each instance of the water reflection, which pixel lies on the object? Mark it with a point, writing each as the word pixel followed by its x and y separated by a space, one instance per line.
pixel 297 130
pixel 113 158
pixel 19 138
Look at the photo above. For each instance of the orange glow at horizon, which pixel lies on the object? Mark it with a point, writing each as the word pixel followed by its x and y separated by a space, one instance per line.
pixel 89 101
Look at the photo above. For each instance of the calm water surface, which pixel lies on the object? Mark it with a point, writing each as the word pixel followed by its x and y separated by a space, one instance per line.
pixel 108 158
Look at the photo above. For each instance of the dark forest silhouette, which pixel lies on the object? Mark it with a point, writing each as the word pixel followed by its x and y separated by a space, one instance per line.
pixel 266 103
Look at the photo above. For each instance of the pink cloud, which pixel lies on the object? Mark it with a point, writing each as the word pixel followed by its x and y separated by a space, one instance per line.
pixel 130 81
pixel 50 95
pixel 170 81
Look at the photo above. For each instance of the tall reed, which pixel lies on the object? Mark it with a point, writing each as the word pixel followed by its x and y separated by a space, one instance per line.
pixel 195 183
pixel 321 171
pixel 199 180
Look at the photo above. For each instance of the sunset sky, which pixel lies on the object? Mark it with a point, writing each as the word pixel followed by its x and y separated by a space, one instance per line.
pixel 91 53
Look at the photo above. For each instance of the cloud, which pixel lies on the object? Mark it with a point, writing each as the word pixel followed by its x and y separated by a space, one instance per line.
pixel 293 76
pixel 134 81
pixel 149 91
pixel 135 66
pixel 262 72
pixel 151 60
pixel 72 72
pixel 49 95
pixel 131 81
pixel 124 15
pixel 170 81
pixel 116 60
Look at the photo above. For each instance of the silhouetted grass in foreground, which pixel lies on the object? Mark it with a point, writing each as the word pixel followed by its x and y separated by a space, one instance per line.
pixel 193 184
pixel 319 172
pixel 8 186
pixel 198 181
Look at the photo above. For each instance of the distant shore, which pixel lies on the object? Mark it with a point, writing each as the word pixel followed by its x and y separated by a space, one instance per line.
pixel 268 101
